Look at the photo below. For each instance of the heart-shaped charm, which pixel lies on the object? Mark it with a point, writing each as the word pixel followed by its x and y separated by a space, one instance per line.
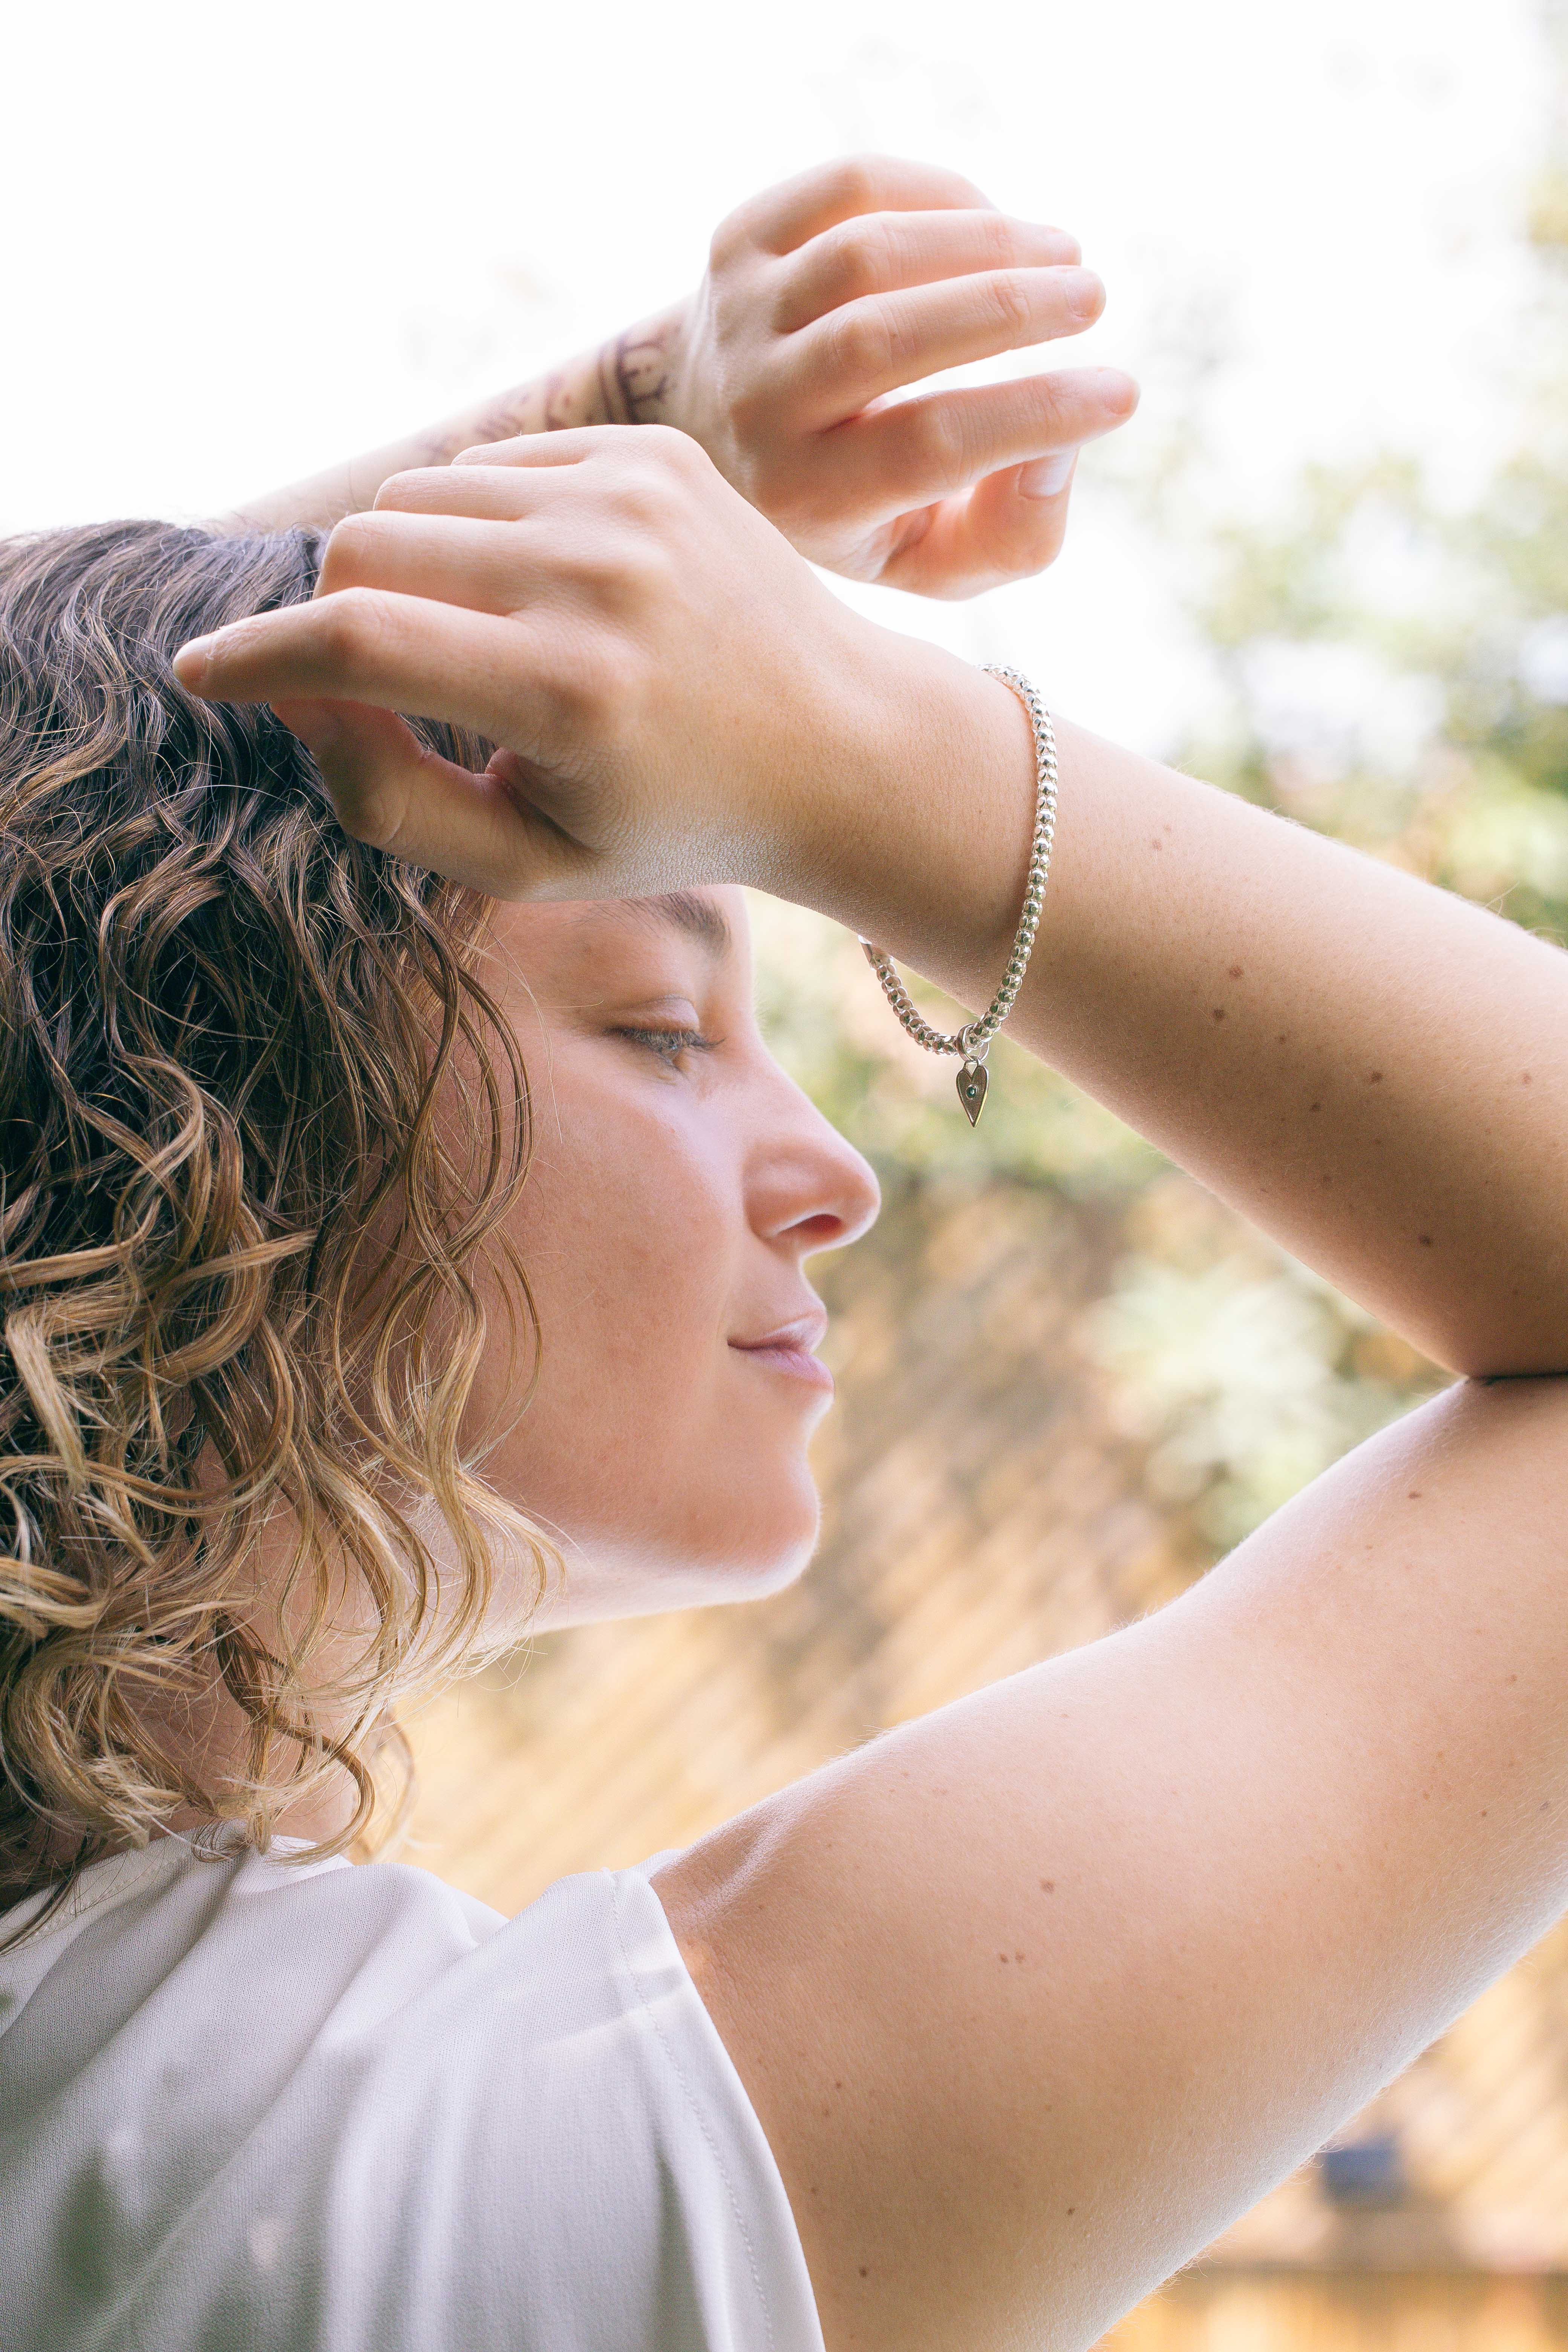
pixel 971 1090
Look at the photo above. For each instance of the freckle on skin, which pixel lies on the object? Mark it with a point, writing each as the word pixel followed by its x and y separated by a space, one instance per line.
pixel 1156 845
pixel 1235 970
pixel 864 2272
pixel 1316 1106
pixel 1524 1077
pixel 1424 1240
pixel 1414 1496
pixel 1219 1013
pixel 1047 1886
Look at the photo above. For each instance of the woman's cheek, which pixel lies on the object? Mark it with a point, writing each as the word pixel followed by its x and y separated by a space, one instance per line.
pixel 630 1246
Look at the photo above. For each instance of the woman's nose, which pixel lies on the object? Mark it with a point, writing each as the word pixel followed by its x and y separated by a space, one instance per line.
pixel 808 1184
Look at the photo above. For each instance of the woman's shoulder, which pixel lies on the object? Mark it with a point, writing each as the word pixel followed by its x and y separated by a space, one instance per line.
pixel 334 1957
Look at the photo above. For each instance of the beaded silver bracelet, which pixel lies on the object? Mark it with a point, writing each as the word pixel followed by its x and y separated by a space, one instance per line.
pixel 974 1040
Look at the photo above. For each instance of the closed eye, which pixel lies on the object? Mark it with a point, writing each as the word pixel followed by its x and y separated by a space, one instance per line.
pixel 668 1045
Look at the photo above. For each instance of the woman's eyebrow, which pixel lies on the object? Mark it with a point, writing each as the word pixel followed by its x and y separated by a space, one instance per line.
pixel 688 911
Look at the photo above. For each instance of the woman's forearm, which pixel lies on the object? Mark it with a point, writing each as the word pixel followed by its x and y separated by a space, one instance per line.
pixel 626 381
pixel 1374 1070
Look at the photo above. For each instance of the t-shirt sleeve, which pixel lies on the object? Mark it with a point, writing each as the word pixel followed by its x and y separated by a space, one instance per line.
pixel 742 2231
pixel 591 2175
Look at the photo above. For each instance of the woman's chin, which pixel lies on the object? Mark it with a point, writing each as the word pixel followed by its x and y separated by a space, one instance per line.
pixel 722 1556
pixel 771 1546
pixel 757 1561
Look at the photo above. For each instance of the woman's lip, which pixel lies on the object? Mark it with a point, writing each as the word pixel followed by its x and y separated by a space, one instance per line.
pixel 804 1331
pixel 791 1348
pixel 790 1356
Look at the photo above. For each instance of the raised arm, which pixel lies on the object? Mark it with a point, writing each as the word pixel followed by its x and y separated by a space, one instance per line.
pixel 1037 1994
pixel 1034 1995
pixel 822 297
pixel 1375 1071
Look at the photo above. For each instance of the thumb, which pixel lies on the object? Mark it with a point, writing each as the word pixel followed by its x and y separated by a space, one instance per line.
pixel 393 791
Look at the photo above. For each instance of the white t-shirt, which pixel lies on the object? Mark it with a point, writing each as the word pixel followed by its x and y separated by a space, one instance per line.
pixel 246 2107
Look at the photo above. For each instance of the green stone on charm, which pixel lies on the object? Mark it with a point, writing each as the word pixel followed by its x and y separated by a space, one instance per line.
pixel 971 1090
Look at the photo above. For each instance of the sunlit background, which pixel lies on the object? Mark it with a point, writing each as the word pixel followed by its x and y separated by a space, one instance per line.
pixel 241 242
pixel 1327 565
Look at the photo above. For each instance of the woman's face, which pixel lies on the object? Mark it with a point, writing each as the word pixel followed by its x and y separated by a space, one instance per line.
pixel 679 1182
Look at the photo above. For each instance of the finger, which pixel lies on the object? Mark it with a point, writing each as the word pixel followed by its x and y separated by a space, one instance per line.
pixel 1007 528
pixel 365 644
pixel 485 566
pixel 865 350
pixel 500 493
pixel 880 252
pixel 392 791
pixel 570 446
pixel 577 445
pixel 783 217
pixel 916 451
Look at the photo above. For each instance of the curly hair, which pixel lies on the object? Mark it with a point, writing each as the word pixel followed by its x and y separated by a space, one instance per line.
pixel 241 1257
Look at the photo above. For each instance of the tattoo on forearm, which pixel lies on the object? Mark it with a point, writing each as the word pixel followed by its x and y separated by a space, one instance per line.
pixel 559 412
pixel 629 381
pixel 644 376
pixel 565 397
pixel 632 380
pixel 635 375
pixel 605 375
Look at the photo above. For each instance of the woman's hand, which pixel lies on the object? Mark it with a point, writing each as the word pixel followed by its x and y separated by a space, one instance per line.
pixel 827 295
pixel 823 300
pixel 677 699
pixel 1370 1069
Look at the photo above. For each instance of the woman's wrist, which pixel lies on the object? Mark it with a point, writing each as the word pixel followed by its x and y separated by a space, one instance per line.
pixel 634 378
pixel 930 854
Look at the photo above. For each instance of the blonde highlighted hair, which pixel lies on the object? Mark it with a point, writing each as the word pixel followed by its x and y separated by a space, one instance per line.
pixel 243 1262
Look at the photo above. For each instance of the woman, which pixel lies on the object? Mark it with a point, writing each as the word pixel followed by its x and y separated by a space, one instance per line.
pixel 974 2035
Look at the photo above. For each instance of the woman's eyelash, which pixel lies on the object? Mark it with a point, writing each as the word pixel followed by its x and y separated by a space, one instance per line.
pixel 667 1044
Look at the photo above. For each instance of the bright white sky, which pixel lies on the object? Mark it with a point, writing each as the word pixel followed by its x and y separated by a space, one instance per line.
pixel 244 241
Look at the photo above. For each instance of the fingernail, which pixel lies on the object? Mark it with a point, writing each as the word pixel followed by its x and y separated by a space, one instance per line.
pixel 1116 389
pixel 193 662
pixel 1046 478
pixel 1085 293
